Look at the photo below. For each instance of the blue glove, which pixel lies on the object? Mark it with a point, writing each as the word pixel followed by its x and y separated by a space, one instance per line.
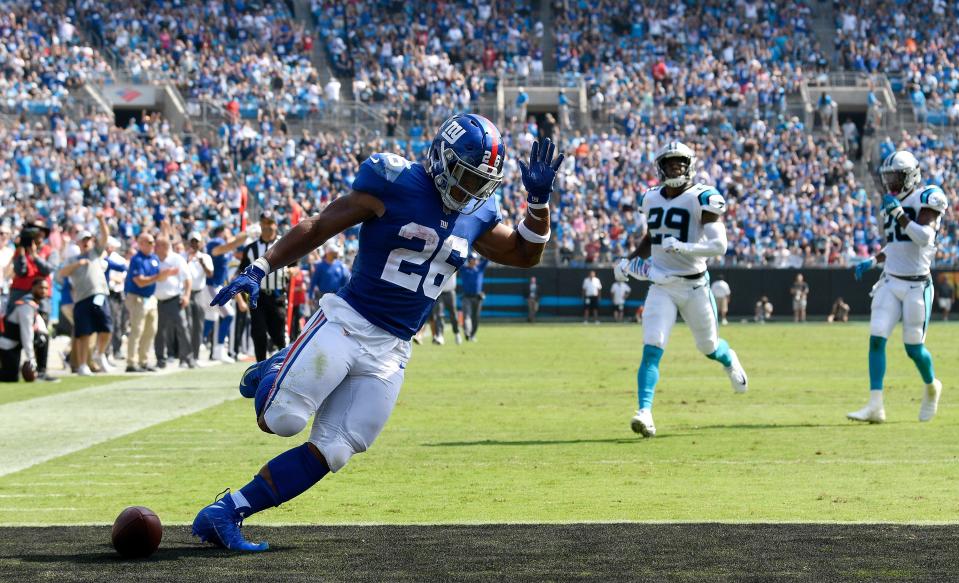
pixel 248 281
pixel 891 206
pixel 539 174
pixel 864 266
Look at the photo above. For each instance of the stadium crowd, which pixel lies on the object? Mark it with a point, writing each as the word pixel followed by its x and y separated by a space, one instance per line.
pixel 427 60
pixel 42 57
pixel 914 43
pixel 655 72
pixel 253 54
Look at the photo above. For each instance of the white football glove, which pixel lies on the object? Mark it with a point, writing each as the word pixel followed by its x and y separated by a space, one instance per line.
pixel 673 245
pixel 636 267
pixel 619 270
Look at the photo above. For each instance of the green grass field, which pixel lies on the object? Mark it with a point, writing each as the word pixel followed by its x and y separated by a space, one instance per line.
pixel 531 424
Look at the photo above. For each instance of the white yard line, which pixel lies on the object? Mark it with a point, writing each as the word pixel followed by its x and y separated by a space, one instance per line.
pixel 37 430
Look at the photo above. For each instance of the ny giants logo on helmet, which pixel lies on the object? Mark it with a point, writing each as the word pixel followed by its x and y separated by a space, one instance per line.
pixel 453 131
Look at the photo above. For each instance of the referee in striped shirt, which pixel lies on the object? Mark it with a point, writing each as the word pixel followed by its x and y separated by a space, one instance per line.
pixel 269 316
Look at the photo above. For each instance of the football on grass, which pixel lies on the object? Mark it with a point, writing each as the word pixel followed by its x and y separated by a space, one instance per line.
pixel 29 373
pixel 137 532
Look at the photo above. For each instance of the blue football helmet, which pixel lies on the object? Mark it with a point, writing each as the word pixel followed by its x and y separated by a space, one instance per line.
pixel 467 154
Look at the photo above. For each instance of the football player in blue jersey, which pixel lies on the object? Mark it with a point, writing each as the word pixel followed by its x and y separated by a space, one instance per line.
pixel 346 368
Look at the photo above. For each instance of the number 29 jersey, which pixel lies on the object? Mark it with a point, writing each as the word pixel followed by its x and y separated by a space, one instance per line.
pixel 406 256
pixel 680 217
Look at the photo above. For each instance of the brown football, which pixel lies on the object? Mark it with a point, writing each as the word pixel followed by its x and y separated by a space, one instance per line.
pixel 29 373
pixel 137 532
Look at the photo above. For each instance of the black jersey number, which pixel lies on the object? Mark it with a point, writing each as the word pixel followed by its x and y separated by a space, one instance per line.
pixel 894 229
pixel 661 224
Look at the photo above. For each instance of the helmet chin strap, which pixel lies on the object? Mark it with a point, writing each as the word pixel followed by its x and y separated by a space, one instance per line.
pixel 677 182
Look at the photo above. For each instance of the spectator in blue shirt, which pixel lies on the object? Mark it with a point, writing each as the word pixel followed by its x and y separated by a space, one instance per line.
pixel 329 274
pixel 140 286
pixel 472 279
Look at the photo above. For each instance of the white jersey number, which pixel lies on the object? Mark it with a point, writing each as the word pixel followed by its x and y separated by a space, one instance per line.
pixel 440 268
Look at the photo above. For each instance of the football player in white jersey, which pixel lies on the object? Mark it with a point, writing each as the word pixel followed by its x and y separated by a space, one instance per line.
pixel 684 229
pixel 904 290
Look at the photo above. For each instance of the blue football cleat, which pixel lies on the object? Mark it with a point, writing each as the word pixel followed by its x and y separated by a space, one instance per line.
pixel 251 379
pixel 219 523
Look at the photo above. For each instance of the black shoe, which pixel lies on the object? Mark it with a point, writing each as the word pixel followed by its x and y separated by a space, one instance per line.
pixel 161 364
pixel 191 363
pixel 148 368
pixel 46 377
pixel 133 368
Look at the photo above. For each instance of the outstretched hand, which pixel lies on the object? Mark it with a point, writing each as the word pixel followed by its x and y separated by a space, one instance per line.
pixel 539 174
pixel 248 281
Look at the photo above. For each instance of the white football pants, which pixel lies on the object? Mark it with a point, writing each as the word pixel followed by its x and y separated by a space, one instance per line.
pixel 691 298
pixel 346 371
pixel 894 298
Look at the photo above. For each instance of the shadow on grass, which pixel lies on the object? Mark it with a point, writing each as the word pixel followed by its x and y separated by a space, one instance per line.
pixel 623 440
pixel 738 426
pixel 108 556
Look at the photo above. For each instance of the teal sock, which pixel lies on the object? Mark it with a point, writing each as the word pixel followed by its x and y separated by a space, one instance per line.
pixel 648 375
pixel 877 362
pixel 721 354
pixel 923 360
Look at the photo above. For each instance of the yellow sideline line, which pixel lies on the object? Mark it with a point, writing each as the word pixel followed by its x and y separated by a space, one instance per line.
pixel 43 428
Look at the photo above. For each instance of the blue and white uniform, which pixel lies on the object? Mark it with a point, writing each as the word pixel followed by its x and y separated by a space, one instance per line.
pixel 680 282
pixel 215 282
pixel 905 289
pixel 348 364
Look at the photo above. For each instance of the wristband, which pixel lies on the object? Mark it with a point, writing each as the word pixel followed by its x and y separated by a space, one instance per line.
pixel 263 264
pixel 527 233
pixel 537 205
pixel 535 218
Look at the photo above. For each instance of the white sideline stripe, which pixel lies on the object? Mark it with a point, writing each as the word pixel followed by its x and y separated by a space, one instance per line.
pixel 10 525
pixel 40 429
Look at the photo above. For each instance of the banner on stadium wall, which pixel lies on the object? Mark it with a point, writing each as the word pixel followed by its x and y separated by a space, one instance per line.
pixel 560 291
pixel 133 96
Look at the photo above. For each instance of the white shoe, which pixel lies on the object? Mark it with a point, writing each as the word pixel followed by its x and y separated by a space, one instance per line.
pixel 84 371
pixel 101 361
pixel 459 338
pixel 870 414
pixel 725 322
pixel 439 340
pixel 737 376
pixel 219 353
pixel 642 423
pixel 930 400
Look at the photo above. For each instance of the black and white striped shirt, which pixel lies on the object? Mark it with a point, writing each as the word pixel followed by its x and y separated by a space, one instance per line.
pixel 276 281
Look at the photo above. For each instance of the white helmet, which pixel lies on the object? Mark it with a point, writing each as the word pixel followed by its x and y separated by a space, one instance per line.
pixel 900 173
pixel 676 150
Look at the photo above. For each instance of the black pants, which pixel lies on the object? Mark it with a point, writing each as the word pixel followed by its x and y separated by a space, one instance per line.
pixel 472 304
pixel 446 300
pixel 171 338
pixel 10 359
pixel 241 331
pixel 295 328
pixel 195 316
pixel 269 318
pixel 121 319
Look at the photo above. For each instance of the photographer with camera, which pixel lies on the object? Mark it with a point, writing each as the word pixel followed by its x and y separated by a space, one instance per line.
pixel 28 265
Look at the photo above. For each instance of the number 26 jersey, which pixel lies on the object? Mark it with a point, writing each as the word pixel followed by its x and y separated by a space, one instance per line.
pixel 406 256
pixel 679 217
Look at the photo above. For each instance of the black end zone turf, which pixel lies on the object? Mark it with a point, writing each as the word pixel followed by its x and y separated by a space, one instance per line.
pixel 600 552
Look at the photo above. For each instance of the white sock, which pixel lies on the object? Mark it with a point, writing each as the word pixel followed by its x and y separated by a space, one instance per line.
pixel 875 398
